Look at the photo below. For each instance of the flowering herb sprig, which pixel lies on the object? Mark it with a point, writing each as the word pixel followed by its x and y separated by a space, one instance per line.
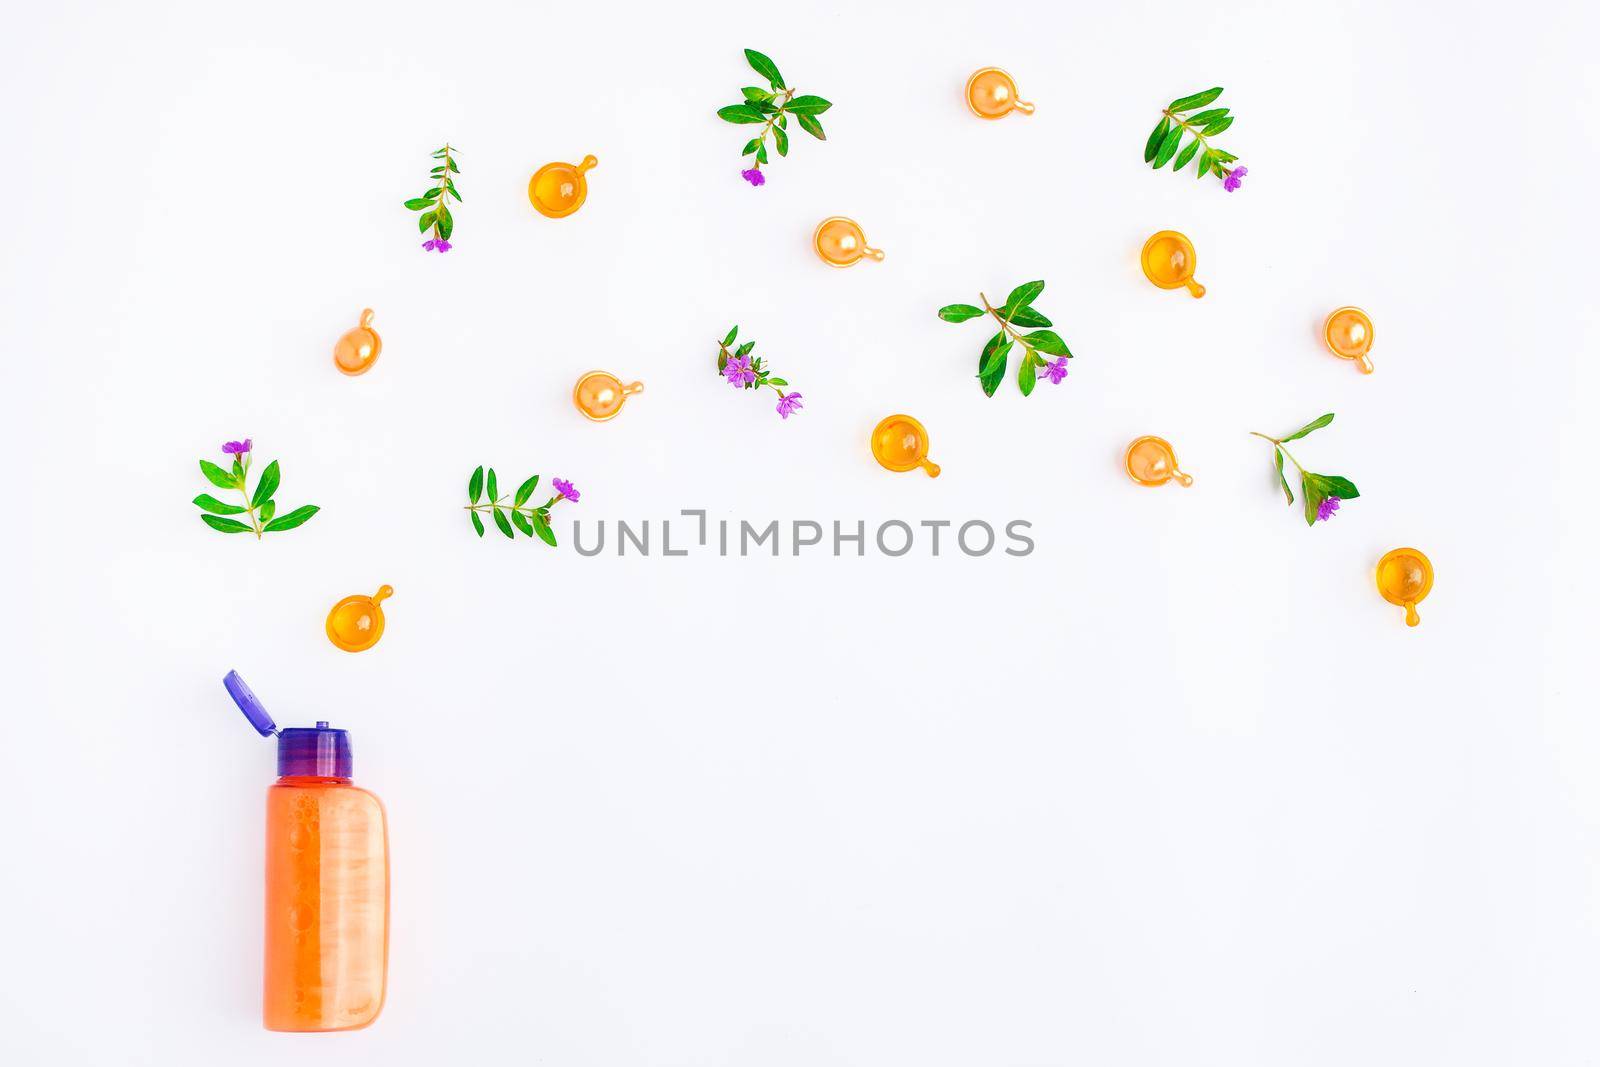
pixel 746 372
pixel 1018 310
pixel 260 509
pixel 517 514
pixel 1163 146
pixel 1321 493
pixel 434 204
pixel 772 110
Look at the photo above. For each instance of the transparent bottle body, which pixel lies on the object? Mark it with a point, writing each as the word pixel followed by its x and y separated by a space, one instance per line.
pixel 327 906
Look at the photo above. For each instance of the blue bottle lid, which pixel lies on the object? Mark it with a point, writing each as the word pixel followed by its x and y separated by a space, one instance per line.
pixel 312 752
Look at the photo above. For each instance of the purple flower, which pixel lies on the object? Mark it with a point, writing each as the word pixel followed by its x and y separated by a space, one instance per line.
pixel 739 372
pixel 1057 370
pixel 564 487
pixel 1326 509
pixel 237 448
pixel 753 176
pixel 436 244
pixel 788 403
pixel 1235 178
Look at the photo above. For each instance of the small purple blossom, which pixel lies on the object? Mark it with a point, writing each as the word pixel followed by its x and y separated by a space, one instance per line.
pixel 788 404
pixel 1326 509
pixel 1057 370
pixel 1235 178
pixel 565 488
pixel 739 372
pixel 753 176
pixel 436 244
pixel 237 448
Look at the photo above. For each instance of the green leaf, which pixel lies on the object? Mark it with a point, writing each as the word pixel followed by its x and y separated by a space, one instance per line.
pixel 541 527
pixel 764 67
pixel 447 222
pixel 1314 424
pixel 809 124
pixel 266 486
pixel 761 153
pixel 217 476
pixel 452 165
pixel 744 349
pixel 525 490
pixel 430 194
pixel 1218 126
pixel 1277 454
pixel 1189 103
pixel 959 312
pixel 477 523
pixel 295 518
pixel 777 381
pixel 1312 495
pixel 1027 376
pixel 1028 318
pixel 501 521
pixel 1207 117
pixel 1202 167
pixel 1169 147
pixel 450 185
pixel 992 363
pixel 238 471
pixel 781 140
pixel 1343 488
pixel 225 525
pixel 207 502
pixel 742 114
pixel 807 105
pixel 728 340
pixel 1021 296
pixel 753 95
pixel 1187 154
pixel 424 221
pixel 494 487
pixel 1157 135
pixel 751 145
pixel 475 486
pixel 418 203
pixel 1046 341
pixel 269 509
pixel 522 522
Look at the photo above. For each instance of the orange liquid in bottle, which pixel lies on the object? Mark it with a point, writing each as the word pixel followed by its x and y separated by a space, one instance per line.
pixel 327 905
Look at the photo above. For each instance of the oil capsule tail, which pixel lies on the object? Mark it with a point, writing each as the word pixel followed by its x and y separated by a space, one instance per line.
pixel 931 467
pixel 1412 618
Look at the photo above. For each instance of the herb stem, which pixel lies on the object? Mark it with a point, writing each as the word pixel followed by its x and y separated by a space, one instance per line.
pixel 244 491
pixel 1005 323
pixel 444 192
pixel 1279 446
pixel 1205 145
pixel 787 94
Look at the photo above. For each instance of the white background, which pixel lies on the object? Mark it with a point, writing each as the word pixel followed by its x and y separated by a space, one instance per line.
pixel 1177 788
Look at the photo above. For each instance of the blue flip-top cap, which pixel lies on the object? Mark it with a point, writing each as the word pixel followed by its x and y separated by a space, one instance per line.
pixel 250 704
pixel 311 752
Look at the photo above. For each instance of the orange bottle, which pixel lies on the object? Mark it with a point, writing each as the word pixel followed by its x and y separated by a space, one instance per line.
pixel 327 888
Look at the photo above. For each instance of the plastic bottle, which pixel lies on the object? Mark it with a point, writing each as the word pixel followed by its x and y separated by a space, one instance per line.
pixel 327 887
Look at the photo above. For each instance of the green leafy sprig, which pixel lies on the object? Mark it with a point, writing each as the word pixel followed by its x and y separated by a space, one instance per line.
pixel 1163 146
pixel 260 508
pixel 1320 493
pixel 434 204
pixel 772 109
pixel 744 371
pixel 532 519
pixel 1017 311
